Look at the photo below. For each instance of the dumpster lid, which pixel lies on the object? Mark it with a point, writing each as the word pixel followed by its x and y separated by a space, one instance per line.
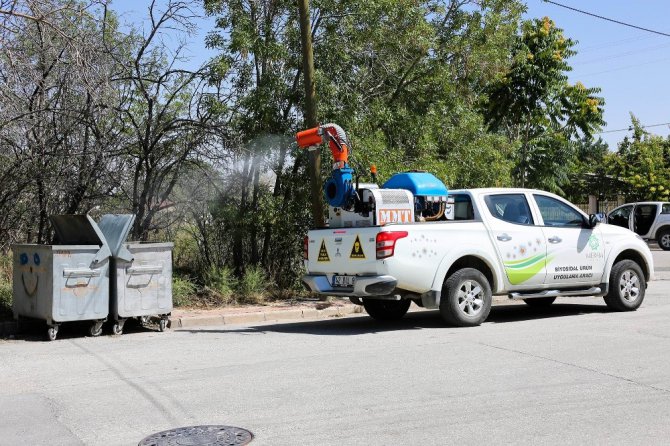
pixel 79 230
pixel 76 230
pixel 116 228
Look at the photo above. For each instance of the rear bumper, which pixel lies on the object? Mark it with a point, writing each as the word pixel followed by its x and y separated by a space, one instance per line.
pixel 364 286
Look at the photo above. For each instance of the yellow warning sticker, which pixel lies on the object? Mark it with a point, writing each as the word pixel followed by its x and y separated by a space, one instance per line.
pixel 323 253
pixel 357 250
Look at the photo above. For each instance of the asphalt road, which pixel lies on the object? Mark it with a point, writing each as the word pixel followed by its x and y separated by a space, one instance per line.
pixel 572 374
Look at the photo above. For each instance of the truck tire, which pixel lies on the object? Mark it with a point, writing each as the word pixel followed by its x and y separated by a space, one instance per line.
pixel 386 310
pixel 466 298
pixel 626 287
pixel 540 302
pixel 663 239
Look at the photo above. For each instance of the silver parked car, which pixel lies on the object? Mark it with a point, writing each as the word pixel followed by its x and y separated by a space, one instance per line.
pixel 649 219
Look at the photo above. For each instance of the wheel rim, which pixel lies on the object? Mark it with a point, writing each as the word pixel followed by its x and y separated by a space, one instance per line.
pixel 629 285
pixel 665 240
pixel 471 298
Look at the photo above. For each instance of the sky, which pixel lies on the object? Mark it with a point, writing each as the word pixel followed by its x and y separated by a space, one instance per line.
pixel 632 67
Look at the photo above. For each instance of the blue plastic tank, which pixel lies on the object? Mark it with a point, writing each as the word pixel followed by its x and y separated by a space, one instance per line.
pixel 421 184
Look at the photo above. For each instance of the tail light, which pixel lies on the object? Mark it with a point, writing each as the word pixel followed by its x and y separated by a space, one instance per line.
pixel 305 248
pixel 386 242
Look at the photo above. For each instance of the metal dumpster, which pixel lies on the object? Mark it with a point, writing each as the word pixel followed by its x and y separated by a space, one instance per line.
pixel 67 280
pixel 140 274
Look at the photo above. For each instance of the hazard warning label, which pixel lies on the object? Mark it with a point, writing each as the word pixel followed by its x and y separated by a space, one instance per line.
pixel 357 250
pixel 323 253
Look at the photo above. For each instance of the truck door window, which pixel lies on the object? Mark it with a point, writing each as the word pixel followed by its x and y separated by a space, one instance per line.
pixel 557 213
pixel 666 208
pixel 620 216
pixel 512 208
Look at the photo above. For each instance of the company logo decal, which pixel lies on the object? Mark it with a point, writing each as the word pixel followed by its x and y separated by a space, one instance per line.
pixel 594 242
pixel 385 216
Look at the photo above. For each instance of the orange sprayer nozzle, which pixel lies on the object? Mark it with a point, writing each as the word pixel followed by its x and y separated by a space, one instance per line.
pixel 309 137
pixel 337 144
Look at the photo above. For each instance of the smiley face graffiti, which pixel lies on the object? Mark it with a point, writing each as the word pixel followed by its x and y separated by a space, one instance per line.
pixel 29 275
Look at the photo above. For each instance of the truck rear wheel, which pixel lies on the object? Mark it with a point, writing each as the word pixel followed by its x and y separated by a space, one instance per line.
pixel 386 310
pixel 466 298
pixel 627 286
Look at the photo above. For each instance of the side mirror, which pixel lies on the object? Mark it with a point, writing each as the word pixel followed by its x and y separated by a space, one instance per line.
pixel 594 219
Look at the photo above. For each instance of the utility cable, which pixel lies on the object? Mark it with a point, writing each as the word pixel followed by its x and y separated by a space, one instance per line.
pixel 621 54
pixel 613 43
pixel 625 67
pixel 631 128
pixel 608 19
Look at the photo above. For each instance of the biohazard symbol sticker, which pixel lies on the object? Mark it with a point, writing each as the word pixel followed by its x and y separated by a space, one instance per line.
pixel 357 250
pixel 323 253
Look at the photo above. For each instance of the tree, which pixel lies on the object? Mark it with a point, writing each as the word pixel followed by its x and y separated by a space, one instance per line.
pixel 402 77
pixel 167 115
pixel 16 14
pixel 534 106
pixel 55 125
pixel 310 111
pixel 642 163
pixel 259 61
pixel 590 173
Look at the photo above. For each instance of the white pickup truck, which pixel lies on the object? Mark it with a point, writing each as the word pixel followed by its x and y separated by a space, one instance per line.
pixel 526 244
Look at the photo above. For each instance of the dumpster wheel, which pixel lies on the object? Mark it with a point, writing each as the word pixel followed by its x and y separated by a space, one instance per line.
pixel 117 328
pixel 163 324
pixel 96 328
pixel 52 332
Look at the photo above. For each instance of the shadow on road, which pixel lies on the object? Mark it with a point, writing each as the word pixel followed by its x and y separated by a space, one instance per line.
pixel 35 331
pixel 417 320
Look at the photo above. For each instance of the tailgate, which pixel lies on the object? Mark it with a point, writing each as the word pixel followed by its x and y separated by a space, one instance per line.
pixel 343 250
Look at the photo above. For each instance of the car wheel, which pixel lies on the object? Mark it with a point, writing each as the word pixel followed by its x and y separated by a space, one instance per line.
pixel 466 298
pixel 386 310
pixel 663 239
pixel 540 302
pixel 627 286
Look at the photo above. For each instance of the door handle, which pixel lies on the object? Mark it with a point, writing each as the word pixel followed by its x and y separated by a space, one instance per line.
pixel 80 272
pixel 555 239
pixel 139 270
pixel 504 238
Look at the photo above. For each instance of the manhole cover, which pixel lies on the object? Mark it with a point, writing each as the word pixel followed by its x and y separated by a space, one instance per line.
pixel 200 436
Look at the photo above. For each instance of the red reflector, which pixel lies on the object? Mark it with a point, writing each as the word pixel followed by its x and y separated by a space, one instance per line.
pixel 386 242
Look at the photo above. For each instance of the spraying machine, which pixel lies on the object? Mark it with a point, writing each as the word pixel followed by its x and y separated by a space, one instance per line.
pixel 406 197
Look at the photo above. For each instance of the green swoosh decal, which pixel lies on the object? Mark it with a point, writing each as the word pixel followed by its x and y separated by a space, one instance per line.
pixel 519 271
pixel 525 262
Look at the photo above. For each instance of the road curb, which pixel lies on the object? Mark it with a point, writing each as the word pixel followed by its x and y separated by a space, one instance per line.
pixel 265 316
